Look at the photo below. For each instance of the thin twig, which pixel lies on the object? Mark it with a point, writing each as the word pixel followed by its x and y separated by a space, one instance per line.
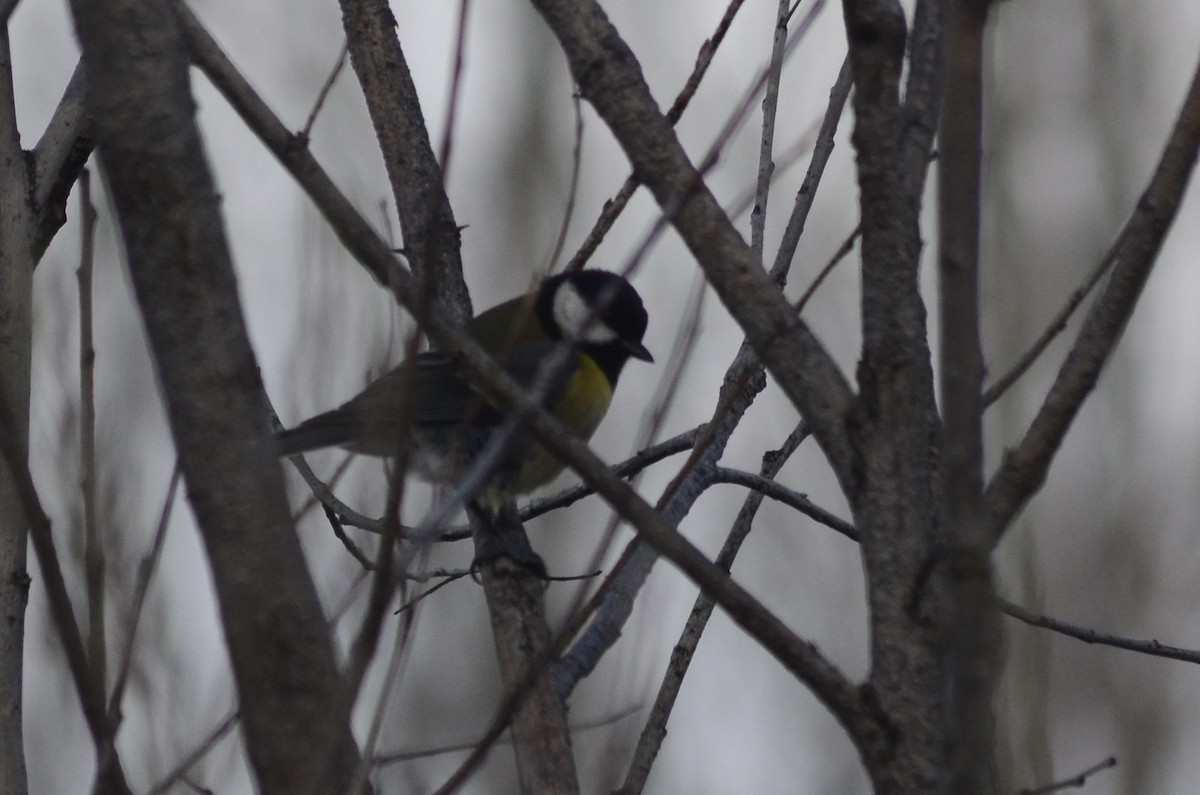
pixel 536 507
pixel 93 545
pixel 202 750
pixel 572 189
pixel 381 701
pixel 145 574
pixel 1149 647
pixel 1052 330
pixel 1075 782
pixel 306 133
pixel 744 378
pixel 454 94
pixel 655 729
pixel 1136 250
pixel 807 194
pixel 770 105
pixel 789 497
pixel 616 205
pixel 842 252
pixel 393 757
pixel 428 592
pixel 91 698
pixel 339 532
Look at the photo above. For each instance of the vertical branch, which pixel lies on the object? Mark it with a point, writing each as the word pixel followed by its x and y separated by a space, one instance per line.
pixel 110 778
pixel 431 235
pixel 770 104
pixel 895 420
pixel 93 548
pixel 923 90
pixel 517 606
pixel 958 270
pixel 180 266
pixel 16 295
pixel 973 628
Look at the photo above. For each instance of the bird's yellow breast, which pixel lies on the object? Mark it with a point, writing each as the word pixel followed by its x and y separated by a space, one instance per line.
pixel 582 406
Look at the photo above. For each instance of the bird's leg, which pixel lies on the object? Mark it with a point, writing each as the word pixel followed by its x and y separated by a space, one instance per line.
pixel 499 536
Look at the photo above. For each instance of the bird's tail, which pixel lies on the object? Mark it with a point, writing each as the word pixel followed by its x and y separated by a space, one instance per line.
pixel 312 434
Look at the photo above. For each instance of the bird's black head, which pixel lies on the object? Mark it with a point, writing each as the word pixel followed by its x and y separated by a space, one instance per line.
pixel 597 311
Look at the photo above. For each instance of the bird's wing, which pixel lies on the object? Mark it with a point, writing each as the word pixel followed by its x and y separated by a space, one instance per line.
pixel 439 395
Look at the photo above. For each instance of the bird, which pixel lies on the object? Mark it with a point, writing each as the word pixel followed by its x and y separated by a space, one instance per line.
pixel 595 314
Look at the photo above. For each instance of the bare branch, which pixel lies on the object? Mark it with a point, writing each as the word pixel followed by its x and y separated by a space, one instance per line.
pixel 93 544
pixel 655 729
pixel 798 656
pixel 1135 251
pixel 744 379
pixel 58 159
pixel 536 507
pixel 608 75
pixel 973 652
pixel 560 240
pixel 284 667
pixel 431 235
pixel 923 90
pixel 616 205
pixel 16 301
pixel 895 421
pixel 1149 647
pixel 1074 782
pixel 822 149
pixel 145 575
pixel 202 750
pixel 766 148
pixel 394 757
pixel 766 487
pixel 110 777
pixel 1052 330
pixel 323 94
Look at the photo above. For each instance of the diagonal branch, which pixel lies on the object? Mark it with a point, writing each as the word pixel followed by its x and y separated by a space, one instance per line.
pixel 744 379
pixel 801 658
pixel 1136 249
pixel 616 205
pixel 296 727
pixel 655 730
pixel 58 157
pixel 609 77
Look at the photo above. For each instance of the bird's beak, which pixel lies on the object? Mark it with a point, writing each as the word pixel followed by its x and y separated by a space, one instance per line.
pixel 638 351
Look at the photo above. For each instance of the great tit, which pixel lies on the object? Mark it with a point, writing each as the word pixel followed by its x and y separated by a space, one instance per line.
pixel 599 317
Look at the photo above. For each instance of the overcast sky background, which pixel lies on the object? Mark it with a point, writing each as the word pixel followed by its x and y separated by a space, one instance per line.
pixel 1082 94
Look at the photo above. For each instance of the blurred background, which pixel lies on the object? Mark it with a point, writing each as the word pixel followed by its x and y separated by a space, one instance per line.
pixel 1081 96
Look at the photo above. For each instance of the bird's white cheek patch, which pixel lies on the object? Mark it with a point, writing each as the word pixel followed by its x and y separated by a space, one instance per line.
pixel 572 313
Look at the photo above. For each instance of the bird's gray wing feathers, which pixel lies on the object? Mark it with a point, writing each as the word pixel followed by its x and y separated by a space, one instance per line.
pixel 372 421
